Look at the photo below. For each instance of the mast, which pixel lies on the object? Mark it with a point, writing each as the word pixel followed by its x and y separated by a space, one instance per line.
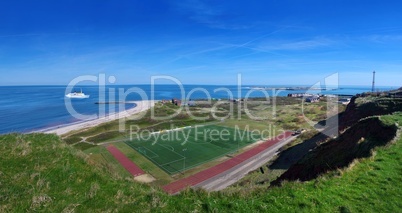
pixel 373 86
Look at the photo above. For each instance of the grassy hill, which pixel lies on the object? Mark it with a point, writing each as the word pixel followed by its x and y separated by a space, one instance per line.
pixel 363 107
pixel 39 172
pixel 356 142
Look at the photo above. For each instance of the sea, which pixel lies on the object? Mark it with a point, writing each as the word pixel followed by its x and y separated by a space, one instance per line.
pixel 27 109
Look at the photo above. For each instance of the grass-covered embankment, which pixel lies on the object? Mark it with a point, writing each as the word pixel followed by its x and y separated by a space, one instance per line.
pixel 39 172
pixel 255 114
pixel 42 173
pixel 356 142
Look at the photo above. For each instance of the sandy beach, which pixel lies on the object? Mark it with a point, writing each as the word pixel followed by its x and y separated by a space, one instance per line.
pixel 140 107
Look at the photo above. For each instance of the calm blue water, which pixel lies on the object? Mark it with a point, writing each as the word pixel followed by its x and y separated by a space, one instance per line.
pixel 31 108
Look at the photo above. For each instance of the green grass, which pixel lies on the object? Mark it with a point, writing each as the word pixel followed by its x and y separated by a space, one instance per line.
pixel 103 157
pixel 105 136
pixel 83 146
pixel 180 150
pixel 355 147
pixel 357 142
pixel 368 185
pixel 271 121
pixel 286 115
pixel 160 175
pixel 39 173
pixel 72 140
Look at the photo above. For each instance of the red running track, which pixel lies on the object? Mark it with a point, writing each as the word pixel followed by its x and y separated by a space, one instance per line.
pixel 125 162
pixel 197 178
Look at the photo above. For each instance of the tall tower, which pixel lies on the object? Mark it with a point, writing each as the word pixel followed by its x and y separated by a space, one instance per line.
pixel 373 87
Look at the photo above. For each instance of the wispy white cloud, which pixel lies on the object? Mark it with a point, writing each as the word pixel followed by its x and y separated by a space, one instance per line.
pixel 378 38
pixel 36 34
pixel 206 14
pixel 274 45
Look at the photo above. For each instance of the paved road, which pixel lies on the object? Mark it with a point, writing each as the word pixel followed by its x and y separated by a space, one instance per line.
pixel 225 166
pixel 237 172
pixel 234 174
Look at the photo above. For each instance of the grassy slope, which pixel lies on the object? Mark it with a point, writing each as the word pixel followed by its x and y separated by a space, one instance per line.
pixel 38 172
pixel 336 154
pixel 286 115
pixel 370 185
pixel 356 142
pixel 271 125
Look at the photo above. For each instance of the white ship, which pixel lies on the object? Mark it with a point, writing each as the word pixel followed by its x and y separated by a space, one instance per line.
pixel 77 95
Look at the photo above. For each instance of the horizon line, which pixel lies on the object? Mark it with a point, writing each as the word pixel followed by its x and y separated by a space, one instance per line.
pixel 194 84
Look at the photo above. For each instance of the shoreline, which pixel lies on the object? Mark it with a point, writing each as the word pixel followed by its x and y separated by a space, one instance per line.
pixel 66 128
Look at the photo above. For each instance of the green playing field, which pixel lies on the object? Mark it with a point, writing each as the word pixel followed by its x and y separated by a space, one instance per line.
pixel 177 150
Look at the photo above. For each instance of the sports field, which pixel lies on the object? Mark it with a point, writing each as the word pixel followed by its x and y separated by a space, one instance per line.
pixel 177 150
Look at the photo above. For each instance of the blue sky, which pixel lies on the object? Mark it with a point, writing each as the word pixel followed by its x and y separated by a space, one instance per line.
pixel 269 42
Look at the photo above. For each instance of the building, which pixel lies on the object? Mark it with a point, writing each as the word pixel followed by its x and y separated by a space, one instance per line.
pixel 313 99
